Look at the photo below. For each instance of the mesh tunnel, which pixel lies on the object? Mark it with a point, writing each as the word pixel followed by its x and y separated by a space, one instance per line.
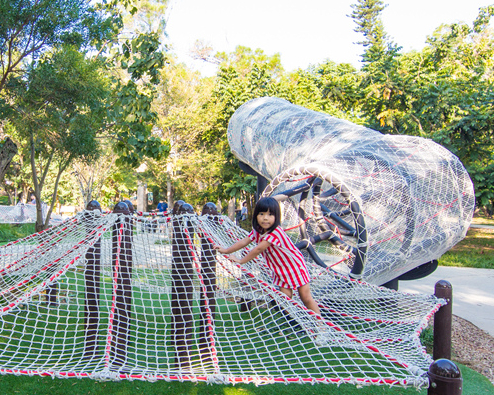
pixel 383 204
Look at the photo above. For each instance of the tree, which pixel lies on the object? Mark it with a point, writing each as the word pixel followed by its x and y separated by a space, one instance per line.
pixel 59 98
pixel 328 87
pixel 243 75
pixel 91 176
pixel 130 117
pixel 455 105
pixel 57 111
pixel 443 92
pixel 367 15
pixel 30 27
pixel 7 151
pixel 381 87
pixel 181 118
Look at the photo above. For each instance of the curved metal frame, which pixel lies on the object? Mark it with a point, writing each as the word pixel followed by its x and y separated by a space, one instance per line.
pixel 327 232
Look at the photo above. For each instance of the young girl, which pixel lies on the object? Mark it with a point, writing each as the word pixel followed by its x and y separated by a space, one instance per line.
pixel 283 258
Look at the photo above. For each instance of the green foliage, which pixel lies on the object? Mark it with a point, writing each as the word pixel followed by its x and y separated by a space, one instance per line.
pixel 28 29
pixel 61 100
pixel 244 75
pixel 427 338
pixel 443 92
pixel 58 113
pixel 483 179
pixel 329 87
pixel 240 185
pixel 131 114
pixel 366 14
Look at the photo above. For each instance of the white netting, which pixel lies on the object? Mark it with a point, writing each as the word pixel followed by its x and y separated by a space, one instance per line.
pixel 383 205
pixel 21 213
pixel 118 297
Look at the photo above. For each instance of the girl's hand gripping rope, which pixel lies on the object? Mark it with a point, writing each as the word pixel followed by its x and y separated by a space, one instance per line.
pixel 225 251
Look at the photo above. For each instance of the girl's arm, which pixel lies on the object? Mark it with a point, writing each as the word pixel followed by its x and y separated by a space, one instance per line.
pixel 234 247
pixel 261 247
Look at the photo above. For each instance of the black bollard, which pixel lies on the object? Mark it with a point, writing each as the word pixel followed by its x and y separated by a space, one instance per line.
pixel 182 286
pixel 130 205
pixel 444 375
pixel 122 269
pixel 92 281
pixel 442 322
pixel 208 297
pixel 445 378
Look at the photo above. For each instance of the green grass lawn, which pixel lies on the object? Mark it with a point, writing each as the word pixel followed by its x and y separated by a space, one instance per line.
pixel 10 232
pixel 479 218
pixel 476 250
pixel 473 384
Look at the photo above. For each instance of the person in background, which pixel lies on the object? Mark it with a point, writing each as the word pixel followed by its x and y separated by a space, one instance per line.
pixel 162 206
pixel 243 213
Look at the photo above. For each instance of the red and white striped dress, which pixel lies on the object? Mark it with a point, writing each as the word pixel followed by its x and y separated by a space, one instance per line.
pixel 284 259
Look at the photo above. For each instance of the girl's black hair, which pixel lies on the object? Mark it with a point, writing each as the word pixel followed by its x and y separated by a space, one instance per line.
pixel 266 204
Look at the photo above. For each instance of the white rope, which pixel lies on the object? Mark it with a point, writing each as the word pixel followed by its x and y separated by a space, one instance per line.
pixel 166 313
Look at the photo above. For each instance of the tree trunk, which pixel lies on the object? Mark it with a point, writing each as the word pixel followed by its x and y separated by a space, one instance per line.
pixel 231 208
pixel 7 152
pixel 169 193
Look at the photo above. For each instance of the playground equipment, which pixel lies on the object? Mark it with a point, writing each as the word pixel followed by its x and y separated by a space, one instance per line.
pixel 21 213
pixel 114 296
pixel 376 207
pixel 101 296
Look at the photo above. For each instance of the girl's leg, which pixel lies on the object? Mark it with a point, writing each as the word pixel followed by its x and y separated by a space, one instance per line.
pixel 307 299
pixel 287 291
pixel 310 303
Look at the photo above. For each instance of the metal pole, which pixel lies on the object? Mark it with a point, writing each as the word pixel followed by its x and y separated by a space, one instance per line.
pixel 208 297
pixel 442 321
pixel 122 269
pixel 182 287
pixel 92 282
pixel 444 376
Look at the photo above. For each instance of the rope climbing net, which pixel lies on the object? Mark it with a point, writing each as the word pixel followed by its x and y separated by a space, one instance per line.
pixel 114 296
pixel 21 213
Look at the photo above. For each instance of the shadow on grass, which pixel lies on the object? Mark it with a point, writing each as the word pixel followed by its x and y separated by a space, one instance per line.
pixel 476 250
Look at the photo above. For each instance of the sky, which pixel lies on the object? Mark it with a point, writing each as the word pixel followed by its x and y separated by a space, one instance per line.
pixel 303 32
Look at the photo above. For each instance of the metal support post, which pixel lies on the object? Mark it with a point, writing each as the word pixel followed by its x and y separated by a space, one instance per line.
pixel 208 296
pixel 182 287
pixel 445 377
pixel 442 321
pixel 92 283
pixel 122 270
